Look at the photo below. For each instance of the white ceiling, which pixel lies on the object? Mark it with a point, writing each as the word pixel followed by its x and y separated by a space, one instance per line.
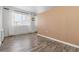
pixel 36 9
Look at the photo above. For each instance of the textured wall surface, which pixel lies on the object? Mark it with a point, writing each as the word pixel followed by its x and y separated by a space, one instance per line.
pixel 61 23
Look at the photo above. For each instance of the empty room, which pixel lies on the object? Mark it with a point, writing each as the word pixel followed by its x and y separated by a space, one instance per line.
pixel 39 29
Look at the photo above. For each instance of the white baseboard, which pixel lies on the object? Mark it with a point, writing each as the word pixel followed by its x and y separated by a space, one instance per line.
pixel 66 43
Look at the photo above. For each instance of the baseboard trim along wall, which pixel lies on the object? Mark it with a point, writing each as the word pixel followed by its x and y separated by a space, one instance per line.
pixel 66 43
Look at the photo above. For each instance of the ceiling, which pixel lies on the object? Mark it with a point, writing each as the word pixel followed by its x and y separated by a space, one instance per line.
pixel 36 9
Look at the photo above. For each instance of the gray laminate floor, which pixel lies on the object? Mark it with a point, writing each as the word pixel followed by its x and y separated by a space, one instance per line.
pixel 33 43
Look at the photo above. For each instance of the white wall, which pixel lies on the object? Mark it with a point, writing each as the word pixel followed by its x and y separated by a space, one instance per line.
pixel 0 24
pixel 1 27
pixel 1 19
pixel 22 30
pixel 6 22
pixel 34 24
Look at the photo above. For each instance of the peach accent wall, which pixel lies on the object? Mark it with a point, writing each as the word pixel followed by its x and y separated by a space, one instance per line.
pixel 61 23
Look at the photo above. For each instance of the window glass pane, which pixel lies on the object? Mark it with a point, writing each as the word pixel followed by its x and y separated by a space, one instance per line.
pixel 21 19
pixel 18 19
pixel 26 20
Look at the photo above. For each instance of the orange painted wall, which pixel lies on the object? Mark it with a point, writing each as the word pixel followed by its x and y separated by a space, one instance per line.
pixel 61 23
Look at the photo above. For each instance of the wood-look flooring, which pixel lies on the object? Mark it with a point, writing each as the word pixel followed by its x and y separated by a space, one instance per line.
pixel 33 43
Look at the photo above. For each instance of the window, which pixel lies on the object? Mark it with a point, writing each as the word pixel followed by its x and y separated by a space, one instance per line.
pixel 21 19
pixel 18 19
